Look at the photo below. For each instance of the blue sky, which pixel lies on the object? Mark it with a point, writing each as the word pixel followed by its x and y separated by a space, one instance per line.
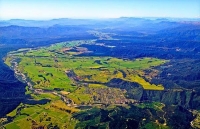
pixel 48 9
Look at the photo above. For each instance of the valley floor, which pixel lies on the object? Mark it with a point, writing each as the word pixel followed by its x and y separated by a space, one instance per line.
pixel 68 90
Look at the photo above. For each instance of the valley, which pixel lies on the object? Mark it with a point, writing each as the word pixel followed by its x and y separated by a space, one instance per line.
pixel 100 75
pixel 60 80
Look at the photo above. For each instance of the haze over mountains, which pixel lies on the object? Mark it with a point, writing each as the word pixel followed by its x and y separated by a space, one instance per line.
pixel 69 21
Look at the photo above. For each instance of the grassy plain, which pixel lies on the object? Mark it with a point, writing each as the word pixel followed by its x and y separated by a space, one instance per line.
pixel 47 68
pixel 55 112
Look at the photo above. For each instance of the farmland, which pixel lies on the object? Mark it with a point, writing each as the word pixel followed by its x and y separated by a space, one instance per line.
pixel 46 67
pixel 61 80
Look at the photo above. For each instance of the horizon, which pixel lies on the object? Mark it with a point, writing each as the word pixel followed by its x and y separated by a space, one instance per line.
pixel 97 9
pixel 67 18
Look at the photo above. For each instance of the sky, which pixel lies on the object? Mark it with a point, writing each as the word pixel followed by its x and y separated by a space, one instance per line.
pixel 50 9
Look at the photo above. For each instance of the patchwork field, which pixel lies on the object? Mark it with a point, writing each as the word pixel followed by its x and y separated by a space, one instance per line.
pixel 48 115
pixel 62 82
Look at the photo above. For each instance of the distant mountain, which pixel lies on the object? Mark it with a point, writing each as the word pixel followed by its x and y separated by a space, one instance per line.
pixel 110 21
pixel 47 23
pixel 36 35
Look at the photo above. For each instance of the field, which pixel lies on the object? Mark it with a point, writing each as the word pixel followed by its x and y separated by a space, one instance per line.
pixel 62 81
pixel 52 114
pixel 47 67
pixel 60 68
